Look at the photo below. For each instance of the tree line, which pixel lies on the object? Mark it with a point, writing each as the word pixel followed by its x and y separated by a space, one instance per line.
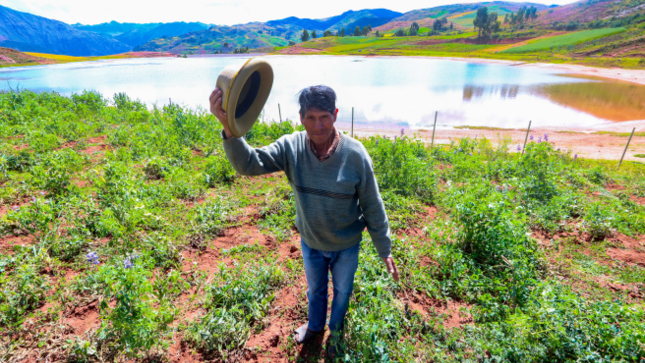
pixel 358 31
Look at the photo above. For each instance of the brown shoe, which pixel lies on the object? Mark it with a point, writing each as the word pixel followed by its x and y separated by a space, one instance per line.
pixel 303 334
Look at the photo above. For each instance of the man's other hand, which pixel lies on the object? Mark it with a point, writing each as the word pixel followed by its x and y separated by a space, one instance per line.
pixel 391 268
pixel 215 101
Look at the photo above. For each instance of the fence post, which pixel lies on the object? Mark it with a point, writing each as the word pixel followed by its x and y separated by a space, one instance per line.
pixel 280 112
pixel 434 128
pixel 352 121
pixel 626 146
pixel 527 137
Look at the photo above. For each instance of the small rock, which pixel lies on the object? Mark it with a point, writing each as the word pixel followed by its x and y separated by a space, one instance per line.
pixel 293 249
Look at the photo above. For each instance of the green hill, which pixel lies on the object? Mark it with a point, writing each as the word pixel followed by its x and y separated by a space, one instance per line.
pixel 606 33
pixel 273 33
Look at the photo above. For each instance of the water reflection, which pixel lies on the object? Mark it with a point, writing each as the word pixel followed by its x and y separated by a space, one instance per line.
pixel 383 92
pixel 605 99
pixel 502 91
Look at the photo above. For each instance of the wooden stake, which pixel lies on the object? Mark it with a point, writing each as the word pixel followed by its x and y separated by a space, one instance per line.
pixel 434 128
pixel 527 137
pixel 352 121
pixel 280 112
pixel 626 146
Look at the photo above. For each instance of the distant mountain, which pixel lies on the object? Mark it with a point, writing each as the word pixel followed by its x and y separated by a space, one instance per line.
pixel 270 34
pixel 142 35
pixel 449 10
pixel 114 28
pixel 31 33
pixel 373 17
pixel 135 34
pixel 252 35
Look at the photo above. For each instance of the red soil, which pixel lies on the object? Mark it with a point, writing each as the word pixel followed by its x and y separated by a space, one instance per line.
pixel 427 307
pixel 633 252
pixel 8 241
pixel 83 318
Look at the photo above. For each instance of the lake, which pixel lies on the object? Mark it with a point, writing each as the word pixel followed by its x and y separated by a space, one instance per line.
pixel 384 92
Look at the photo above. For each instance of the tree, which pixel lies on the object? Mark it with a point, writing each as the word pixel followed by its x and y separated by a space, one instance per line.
pixel 292 43
pixel 400 33
pixel 342 32
pixel 364 30
pixel 531 13
pixel 414 29
pixel 305 35
pixel 518 18
pixel 451 24
pixel 369 27
pixel 481 20
pixel 313 34
pixel 357 31
pixel 493 23
pixel 378 35
pixel 436 25
pixel 327 33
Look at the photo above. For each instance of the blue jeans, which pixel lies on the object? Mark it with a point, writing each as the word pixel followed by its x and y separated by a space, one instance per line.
pixel 343 265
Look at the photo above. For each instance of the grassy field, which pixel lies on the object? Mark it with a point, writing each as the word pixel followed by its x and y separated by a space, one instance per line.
pixel 606 47
pixel 68 58
pixel 565 40
pixel 60 57
pixel 126 235
pixel 13 58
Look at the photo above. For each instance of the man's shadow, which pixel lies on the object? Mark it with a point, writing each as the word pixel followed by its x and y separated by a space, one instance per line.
pixel 313 351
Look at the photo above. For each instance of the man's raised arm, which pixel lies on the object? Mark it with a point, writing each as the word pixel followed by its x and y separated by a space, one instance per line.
pixel 245 159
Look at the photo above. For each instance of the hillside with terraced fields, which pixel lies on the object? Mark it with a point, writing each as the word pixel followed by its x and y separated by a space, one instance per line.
pixel 596 33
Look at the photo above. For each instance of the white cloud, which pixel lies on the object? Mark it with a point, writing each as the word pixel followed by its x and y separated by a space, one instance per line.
pixel 207 11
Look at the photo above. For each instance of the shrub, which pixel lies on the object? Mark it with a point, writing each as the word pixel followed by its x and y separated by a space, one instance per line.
pixel 403 166
pixel 598 222
pixel 537 170
pixel 218 170
pixel 134 325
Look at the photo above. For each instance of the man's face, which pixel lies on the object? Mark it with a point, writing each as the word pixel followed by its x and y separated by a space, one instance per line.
pixel 319 124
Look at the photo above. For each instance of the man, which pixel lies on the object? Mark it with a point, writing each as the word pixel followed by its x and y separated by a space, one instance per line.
pixel 336 198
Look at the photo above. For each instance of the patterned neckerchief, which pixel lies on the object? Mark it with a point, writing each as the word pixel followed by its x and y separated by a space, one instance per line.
pixel 330 151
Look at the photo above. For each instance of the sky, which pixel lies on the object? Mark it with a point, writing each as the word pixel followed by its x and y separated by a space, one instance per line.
pixel 210 11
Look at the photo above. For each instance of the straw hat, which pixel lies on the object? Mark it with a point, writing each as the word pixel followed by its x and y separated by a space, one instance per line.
pixel 244 93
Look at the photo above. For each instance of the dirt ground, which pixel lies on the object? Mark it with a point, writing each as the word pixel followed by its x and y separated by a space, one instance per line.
pixel 585 143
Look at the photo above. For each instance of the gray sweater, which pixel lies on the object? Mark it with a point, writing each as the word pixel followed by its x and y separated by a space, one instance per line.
pixel 335 198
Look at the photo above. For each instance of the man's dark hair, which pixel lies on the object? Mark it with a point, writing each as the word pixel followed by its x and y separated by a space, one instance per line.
pixel 320 97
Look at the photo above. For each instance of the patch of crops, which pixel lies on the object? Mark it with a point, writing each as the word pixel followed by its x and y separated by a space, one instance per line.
pixel 125 235
pixel 564 40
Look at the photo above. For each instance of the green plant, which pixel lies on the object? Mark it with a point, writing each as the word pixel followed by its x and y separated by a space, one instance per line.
pixel 403 166
pixel 20 292
pixel 133 325
pixel 240 299
pixel 218 170
pixel 598 222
